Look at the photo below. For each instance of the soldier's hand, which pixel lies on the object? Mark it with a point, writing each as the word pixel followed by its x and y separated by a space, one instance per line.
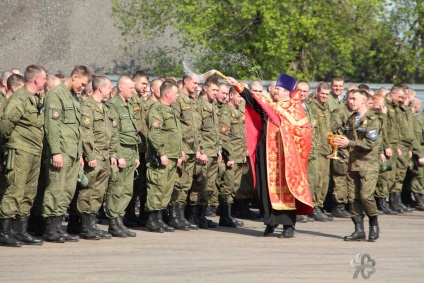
pixel 57 161
pixel 198 155
pixel 421 161
pixel 219 157
pixel 383 157
pixel 164 160
pixel 204 158
pixel 230 164
pixel 137 163
pixel 399 152
pixel 341 142
pixel 121 163
pixel 388 152
pixel 410 154
pixel 82 162
pixel 179 162
pixel 384 110
pixel 113 161
pixel 183 156
pixel 92 163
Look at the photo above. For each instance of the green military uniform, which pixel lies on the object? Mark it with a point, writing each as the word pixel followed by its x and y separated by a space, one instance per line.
pixel 164 138
pixel 364 150
pixel 120 189
pixel 392 141
pixel 2 176
pixel 321 113
pixel 334 103
pixel 22 127
pixel 234 148
pixel 63 133
pixel 209 144
pixel 98 144
pixel 339 167
pixel 417 183
pixel 312 169
pixel 186 112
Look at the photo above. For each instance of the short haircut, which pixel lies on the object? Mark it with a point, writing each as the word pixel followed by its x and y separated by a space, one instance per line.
pixel 255 83
pixel 323 86
pixel 15 80
pixel 180 83
pixel 174 79
pixel 33 71
pixel 211 81
pixel 123 79
pixel 61 77
pixel 223 84
pixel 362 92
pixel 188 76
pixel 99 81
pixel 233 90
pixel 303 82
pixel 156 82
pixel 82 71
pixel 363 86
pixel 337 79
pixel 140 74
pixel 167 85
pixel 5 75
pixel 398 87
pixel 378 97
pixel 415 101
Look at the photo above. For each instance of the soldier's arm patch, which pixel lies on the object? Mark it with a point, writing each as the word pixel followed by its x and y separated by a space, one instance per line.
pixel 114 124
pixel 56 114
pixel 86 121
pixel 372 135
pixel 156 123
pixel 223 129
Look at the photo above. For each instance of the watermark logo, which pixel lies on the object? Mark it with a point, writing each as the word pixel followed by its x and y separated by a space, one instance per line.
pixel 364 265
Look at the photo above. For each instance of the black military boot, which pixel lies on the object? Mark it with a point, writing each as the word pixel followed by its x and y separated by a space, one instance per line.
pixel 374 229
pixel 50 232
pixel 181 212
pixel 125 229
pixel 130 219
pixel 152 225
pixel 404 207
pixel 196 217
pixel 61 231
pixel 74 225
pixel 93 223
pixel 269 229
pixel 202 211
pixel 211 211
pixel 22 233
pixel 301 219
pixel 174 220
pixel 339 211
pixel 39 225
pixel 87 231
pixel 226 220
pixel 288 232
pixel 159 221
pixel 243 210
pixel 394 204
pixel 6 237
pixel 327 217
pixel 359 234
pixel 419 202
pixel 115 230
pixel 318 215
pixel 383 206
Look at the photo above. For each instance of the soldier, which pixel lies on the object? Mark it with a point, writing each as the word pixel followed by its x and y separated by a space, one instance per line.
pixel 99 152
pixel 321 113
pixel 234 149
pixel 209 154
pixel 337 87
pixel 120 189
pixel 22 127
pixel 62 129
pixel 3 85
pixel 363 130
pixel 163 157
pixel 185 110
pixel 417 184
pixel 140 107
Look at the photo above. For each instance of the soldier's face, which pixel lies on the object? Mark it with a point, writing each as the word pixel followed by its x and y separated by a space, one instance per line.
pixel 191 84
pixel 370 103
pixel 40 81
pixel 223 94
pixel 236 99
pixel 398 96
pixel 211 91
pixel 141 86
pixel 127 89
pixel 106 90
pixel 79 83
pixel 378 105
pixel 356 100
pixel 322 95
pixel 173 94
pixel 256 89
pixel 303 90
pixel 337 87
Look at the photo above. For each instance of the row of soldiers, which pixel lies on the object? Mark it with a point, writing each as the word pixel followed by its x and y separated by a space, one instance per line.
pixel 177 141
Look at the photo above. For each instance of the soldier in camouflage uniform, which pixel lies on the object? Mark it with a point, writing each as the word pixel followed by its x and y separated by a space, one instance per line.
pixel 185 110
pixel 417 184
pixel 120 190
pixel 231 128
pixel 163 157
pixel 210 154
pixel 21 126
pixel 334 99
pixel 321 113
pixel 362 132
pixel 63 134
pixel 99 152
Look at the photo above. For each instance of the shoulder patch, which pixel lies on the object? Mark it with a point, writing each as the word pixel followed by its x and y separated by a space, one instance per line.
pixel 86 121
pixel 56 114
pixel 114 124
pixel 223 129
pixel 156 123
pixel 372 135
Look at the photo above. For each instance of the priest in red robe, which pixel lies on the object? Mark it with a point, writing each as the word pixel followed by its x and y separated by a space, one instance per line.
pixel 279 139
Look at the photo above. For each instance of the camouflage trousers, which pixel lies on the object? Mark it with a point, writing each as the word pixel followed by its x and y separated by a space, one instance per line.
pixel 361 188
